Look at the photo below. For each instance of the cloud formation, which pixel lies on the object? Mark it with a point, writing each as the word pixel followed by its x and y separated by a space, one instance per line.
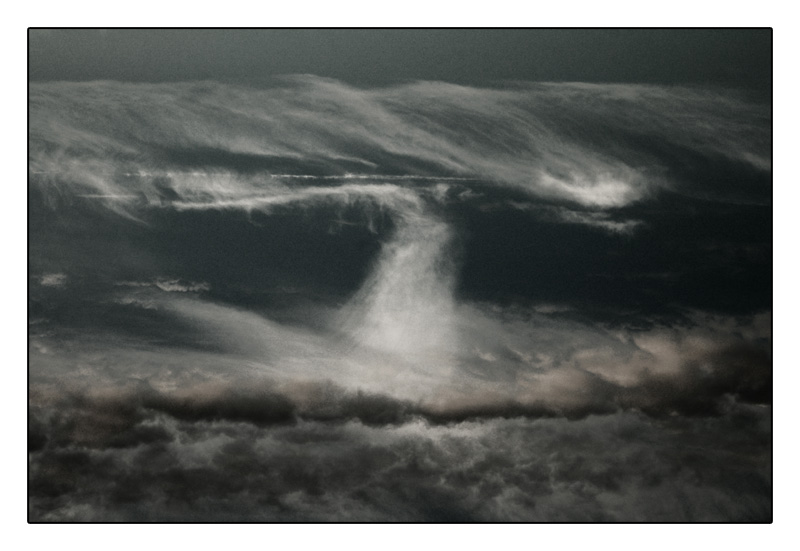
pixel 574 424
pixel 53 280
pixel 423 302
pixel 495 363
pixel 578 143
pixel 200 466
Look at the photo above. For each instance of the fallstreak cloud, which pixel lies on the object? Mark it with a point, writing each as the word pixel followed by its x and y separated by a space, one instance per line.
pixel 309 301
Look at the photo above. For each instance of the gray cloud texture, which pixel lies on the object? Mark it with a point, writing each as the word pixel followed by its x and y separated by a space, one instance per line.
pixel 164 388
pixel 541 419
pixel 200 463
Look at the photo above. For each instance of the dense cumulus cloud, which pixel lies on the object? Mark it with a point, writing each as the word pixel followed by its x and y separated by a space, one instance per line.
pixel 615 467
pixel 419 302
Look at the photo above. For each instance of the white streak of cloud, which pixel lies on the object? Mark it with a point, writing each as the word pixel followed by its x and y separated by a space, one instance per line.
pixel 596 219
pixel 53 280
pixel 170 285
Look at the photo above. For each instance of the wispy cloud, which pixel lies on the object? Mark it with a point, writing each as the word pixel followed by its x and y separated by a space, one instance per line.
pixel 171 285
pixel 406 306
pixel 548 140
pixel 53 280
pixel 453 359
pixel 599 219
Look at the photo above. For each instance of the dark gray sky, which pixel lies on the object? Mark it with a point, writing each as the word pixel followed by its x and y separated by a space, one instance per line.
pixel 731 57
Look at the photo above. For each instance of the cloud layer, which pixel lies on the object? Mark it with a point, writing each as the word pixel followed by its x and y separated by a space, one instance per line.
pixel 198 462
pixel 597 146
pixel 423 302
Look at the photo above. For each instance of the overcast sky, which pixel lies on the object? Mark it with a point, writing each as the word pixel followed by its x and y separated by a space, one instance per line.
pixel 732 57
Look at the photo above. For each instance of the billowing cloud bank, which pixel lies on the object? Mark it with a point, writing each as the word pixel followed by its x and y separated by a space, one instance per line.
pixel 421 302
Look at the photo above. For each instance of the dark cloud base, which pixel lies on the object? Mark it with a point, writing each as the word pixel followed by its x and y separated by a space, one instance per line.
pixel 617 467
pixel 220 453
